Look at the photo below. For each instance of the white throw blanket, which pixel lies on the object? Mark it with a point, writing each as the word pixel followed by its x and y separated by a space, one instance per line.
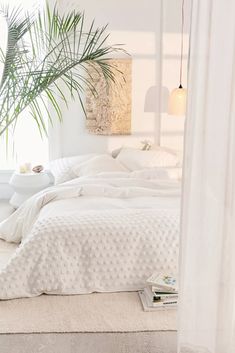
pixel 103 233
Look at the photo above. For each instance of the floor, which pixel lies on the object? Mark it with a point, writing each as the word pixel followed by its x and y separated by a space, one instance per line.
pixel 107 323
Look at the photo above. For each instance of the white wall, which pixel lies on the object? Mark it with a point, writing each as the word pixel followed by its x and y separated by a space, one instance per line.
pixel 138 25
pixel 151 31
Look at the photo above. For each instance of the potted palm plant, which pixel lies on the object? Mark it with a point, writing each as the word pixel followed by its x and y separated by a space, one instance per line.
pixel 44 50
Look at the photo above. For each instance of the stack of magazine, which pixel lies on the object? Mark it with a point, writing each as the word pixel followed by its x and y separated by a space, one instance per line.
pixel 161 292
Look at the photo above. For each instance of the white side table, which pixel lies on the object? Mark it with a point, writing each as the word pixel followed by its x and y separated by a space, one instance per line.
pixel 26 185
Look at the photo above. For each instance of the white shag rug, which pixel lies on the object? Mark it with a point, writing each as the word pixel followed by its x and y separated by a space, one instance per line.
pixel 104 312
pixel 134 342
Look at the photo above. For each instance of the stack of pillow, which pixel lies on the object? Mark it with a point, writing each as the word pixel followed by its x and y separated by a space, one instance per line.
pixel 127 160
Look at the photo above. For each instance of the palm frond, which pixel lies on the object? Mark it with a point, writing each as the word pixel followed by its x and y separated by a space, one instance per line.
pixel 44 50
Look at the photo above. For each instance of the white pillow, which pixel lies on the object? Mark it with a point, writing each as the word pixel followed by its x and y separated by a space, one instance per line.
pixel 135 159
pixel 98 164
pixel 61 168
pixel 179 154
pixel 174 173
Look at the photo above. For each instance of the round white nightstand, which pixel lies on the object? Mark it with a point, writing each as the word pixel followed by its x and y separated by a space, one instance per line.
pixel 26 185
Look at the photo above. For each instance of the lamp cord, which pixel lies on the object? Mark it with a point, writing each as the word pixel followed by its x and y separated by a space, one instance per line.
pixel 182 44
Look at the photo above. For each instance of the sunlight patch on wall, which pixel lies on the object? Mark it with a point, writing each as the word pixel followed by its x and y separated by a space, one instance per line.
pixel 29 145
pixel 24 143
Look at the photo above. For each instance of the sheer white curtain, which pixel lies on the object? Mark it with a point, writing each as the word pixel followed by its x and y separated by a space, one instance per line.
pixel 207 281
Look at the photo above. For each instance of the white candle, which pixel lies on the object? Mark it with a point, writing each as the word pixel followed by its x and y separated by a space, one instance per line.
pixel 22 169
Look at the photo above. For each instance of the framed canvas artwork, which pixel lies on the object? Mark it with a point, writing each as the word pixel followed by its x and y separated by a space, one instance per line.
pixel 109 112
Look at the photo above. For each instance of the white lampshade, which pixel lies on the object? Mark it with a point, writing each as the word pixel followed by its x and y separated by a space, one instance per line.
pixel 177 101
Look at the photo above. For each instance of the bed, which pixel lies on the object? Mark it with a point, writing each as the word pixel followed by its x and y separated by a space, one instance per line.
pixel 105 232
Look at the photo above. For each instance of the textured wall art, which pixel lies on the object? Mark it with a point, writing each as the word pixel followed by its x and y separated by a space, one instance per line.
pixel 110 112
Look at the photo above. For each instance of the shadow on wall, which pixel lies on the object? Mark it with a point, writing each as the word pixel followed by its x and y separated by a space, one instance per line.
pixel 150 105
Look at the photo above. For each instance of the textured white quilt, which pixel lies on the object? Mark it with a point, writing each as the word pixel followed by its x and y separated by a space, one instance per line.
pixel 103 233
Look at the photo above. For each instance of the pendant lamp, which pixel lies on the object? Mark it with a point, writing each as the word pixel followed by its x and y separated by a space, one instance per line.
pixel 178 97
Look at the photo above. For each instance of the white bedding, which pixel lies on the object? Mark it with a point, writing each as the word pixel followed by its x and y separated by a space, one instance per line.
pixel 103 233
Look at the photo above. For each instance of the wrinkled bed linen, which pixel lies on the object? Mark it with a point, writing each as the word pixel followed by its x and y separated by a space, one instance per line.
pixel 93 234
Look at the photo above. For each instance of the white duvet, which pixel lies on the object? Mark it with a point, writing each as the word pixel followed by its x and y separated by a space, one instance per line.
pixel 103 233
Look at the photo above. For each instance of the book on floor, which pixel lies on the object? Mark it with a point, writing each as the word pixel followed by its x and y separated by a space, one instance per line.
pixel 161 292
pixel 161 282
pixel 156 297
pixel 148 305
